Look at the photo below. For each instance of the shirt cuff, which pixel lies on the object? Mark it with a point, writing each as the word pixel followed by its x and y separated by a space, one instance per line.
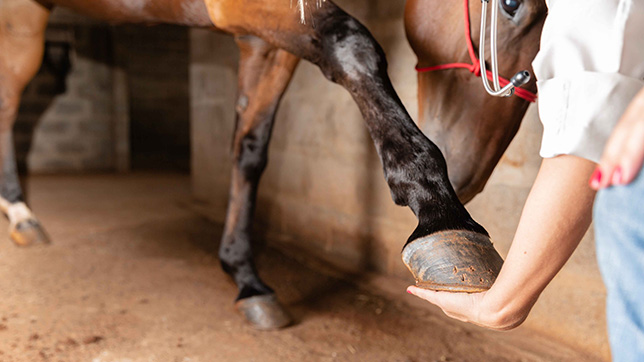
pixel 579 112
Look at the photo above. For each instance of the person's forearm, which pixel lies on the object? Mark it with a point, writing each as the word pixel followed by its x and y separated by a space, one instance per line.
pixel 555 217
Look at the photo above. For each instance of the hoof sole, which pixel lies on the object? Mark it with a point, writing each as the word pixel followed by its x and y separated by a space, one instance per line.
pixel 264 312
pixel 29 232
pixel 455 261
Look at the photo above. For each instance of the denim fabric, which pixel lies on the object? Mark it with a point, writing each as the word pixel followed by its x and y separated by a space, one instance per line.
pixel 619 233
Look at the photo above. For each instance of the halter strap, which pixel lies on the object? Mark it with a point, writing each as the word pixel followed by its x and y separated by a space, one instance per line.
pixel 475 67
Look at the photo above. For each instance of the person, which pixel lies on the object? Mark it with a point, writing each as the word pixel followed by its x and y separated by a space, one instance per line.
pixel 619 232
pixel 590 75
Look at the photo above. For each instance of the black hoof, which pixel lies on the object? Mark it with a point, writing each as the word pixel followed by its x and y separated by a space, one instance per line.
pixel 28 232
pixel 264 312
pixel 454 260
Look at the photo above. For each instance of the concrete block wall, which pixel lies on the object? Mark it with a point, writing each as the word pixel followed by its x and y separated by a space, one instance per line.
pixel 127 99
pixel 324 191
pixel 70 131
pixel 213 84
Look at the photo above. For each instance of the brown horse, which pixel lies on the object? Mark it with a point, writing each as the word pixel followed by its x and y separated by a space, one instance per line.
pixel 471 128
pixel 271 39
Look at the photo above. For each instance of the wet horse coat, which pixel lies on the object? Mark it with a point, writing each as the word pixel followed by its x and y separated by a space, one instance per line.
pixel 271 39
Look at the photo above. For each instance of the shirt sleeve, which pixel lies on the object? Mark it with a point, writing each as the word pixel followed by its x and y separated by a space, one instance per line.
pixel 589 67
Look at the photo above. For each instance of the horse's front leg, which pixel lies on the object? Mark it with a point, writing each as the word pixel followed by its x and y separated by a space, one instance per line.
pixel 264 73
pixel 22 26
pixel 448 249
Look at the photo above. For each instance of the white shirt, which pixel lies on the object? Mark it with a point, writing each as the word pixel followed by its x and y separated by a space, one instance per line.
pixel 589 68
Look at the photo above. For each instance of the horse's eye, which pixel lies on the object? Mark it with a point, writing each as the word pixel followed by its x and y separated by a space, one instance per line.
pixel 511 6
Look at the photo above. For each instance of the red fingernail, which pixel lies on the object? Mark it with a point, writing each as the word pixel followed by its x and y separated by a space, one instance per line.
pixel 408 291
pixel 596 179
pixel 617 176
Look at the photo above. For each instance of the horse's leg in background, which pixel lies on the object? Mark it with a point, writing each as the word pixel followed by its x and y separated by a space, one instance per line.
pixel 347 54
pixel 264 74
pixel 22 28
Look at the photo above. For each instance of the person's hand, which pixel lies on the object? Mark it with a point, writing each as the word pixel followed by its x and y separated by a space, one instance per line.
pixel 555 217
pixel 473 308
pixel 624 152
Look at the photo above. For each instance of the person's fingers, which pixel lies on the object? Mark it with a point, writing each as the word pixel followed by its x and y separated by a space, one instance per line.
pixel 622 159
pixel 632 156
pixel 428 295
pixel 439 299
pixel 609 171
pixel 455 305
pixel 603 174
pixel 465 307
pixel 596 178
pixel 623 154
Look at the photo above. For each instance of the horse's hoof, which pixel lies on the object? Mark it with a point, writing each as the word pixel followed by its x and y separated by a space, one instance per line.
pixel 454 260
pixel 264 312
pixel 28 232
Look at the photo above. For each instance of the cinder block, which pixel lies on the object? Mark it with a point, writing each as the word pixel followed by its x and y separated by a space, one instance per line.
pixel 70 147
pixel 68 106
pixel 54 127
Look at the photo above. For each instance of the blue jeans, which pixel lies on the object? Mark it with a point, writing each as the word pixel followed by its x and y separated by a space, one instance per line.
pixel 619 233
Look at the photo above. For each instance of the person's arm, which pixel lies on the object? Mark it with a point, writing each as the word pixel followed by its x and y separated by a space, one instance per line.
pixel 555 217
pixel 624 152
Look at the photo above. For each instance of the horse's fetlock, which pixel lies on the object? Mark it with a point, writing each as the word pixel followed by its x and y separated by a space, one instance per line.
pixel 400 190
pixel 399 199
pixel 254 289
pixel 227 267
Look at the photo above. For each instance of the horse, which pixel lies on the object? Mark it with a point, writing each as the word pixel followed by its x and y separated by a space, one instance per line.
pixel 472 129
pixel 272 39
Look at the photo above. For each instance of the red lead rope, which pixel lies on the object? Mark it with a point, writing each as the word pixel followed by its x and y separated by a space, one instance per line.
pixel 475 67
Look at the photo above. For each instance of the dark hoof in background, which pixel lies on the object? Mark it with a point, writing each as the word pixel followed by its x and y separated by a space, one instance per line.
pixel 454 260
pixel 28 232
pixel 264 312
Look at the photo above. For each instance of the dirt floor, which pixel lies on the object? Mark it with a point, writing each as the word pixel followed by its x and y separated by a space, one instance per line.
pixel 132 276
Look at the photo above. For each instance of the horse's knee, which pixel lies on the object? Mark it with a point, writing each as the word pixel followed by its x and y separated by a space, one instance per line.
pixel 349 51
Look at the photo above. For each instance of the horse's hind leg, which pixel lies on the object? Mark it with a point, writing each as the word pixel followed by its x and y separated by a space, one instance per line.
pixel 22 27
pixel 264 73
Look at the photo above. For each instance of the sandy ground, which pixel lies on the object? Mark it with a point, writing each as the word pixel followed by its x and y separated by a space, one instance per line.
pixel 133 276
